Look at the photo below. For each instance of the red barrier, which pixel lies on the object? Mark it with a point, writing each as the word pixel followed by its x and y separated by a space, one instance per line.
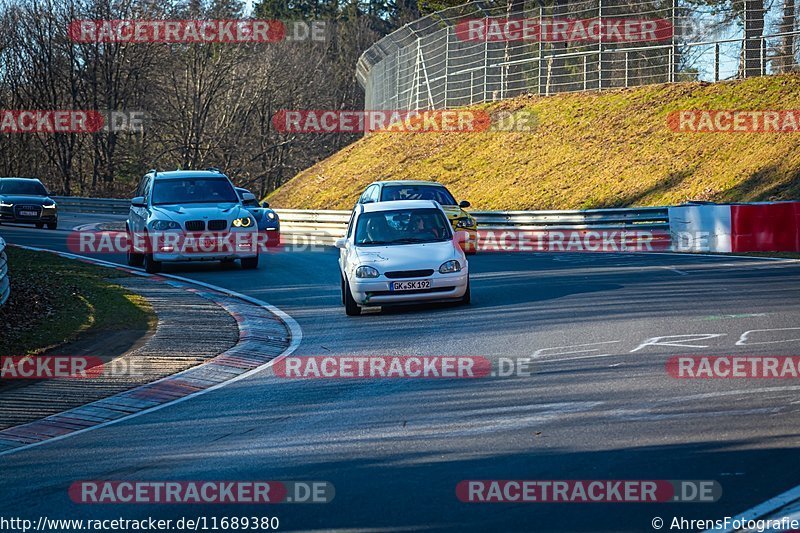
pixel 766 227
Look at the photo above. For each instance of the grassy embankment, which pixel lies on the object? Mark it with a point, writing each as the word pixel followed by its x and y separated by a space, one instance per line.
pixel 55 300
pixel 589 150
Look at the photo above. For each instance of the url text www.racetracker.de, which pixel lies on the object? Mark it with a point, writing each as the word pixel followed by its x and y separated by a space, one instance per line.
pixel 194 523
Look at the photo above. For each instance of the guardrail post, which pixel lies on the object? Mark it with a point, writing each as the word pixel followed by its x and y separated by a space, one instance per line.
pixel 716 61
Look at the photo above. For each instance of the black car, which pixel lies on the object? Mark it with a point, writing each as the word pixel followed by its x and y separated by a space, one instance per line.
pixel 26 201
pixel 268 222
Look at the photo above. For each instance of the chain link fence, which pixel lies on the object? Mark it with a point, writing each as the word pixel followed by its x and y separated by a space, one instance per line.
pixel 479 52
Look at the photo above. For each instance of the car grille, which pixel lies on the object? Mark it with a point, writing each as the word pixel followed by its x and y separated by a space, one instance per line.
pixel 409 274
pixel 35 208
pixel 217 225
pixel 415 291
pixel 195 225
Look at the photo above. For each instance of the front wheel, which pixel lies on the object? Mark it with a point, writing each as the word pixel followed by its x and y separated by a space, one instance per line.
pixel 40 225
pixel 134 259
pixel 351 308
pixel 52 225
pixel 250 263
pixel 151 266
pixel 467 298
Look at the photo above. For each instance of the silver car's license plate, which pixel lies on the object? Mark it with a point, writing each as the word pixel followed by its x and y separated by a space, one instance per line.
pixel 410 285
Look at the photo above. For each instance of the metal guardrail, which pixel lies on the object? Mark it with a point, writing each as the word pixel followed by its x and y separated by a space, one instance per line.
pixel 5 284
pixel 297 225
pixel 325 226
pixel 108 206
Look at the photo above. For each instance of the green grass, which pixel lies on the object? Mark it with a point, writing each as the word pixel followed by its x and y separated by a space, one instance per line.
pixel 589 150
pixel 55 300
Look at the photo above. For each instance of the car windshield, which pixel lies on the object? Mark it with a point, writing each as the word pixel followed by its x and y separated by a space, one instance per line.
pixel 30 188
pixel 436 193
pixel 402 226
pixel 193 191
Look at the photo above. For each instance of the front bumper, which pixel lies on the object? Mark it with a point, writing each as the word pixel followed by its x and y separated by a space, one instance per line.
pixel 271 237
pixel 227 246
pixel 10 214
pixel 376 291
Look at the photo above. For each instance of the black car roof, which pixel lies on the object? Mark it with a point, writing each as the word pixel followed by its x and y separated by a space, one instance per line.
pixel 37 180
pixel 176 174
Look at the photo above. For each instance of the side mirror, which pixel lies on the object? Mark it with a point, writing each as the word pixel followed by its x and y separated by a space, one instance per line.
pixel 138 201
pixel 341 243
pixel 265 205
pixel 464 204
pixel 248 197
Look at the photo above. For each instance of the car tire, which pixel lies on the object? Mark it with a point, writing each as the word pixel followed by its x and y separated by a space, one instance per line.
pixel 40 225
pixel 134 259
pixel 151 266
pixel 52 225
pixel 467 298
pixel 250 263
pixel 351 308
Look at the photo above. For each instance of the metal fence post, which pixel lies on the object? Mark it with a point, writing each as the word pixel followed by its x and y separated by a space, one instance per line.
pixel 716 62
pixel 397 80
pixel 626 69
pixel 585 70
pixel 673 50
pixel 539 61
pixel 486 66
pixel 600 47
pixel 671 60
pixel 417 78
pixel 471 86
pixel 446 62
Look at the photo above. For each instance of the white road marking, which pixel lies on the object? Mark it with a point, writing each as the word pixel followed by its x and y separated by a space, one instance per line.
pixel 676 270
pixel 743 339
pixel 540 353
pixel 296 336
pixel 658 341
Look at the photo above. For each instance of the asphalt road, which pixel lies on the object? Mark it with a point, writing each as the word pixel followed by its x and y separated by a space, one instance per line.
pixel 599 405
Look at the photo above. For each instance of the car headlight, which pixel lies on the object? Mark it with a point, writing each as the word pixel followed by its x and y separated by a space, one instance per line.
pixel 243 222
pixel 271 215
pixel 50 206
pixel 366 272
pixel 163 225
pixel 465 222
pixel 3 204
pixel 450 266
